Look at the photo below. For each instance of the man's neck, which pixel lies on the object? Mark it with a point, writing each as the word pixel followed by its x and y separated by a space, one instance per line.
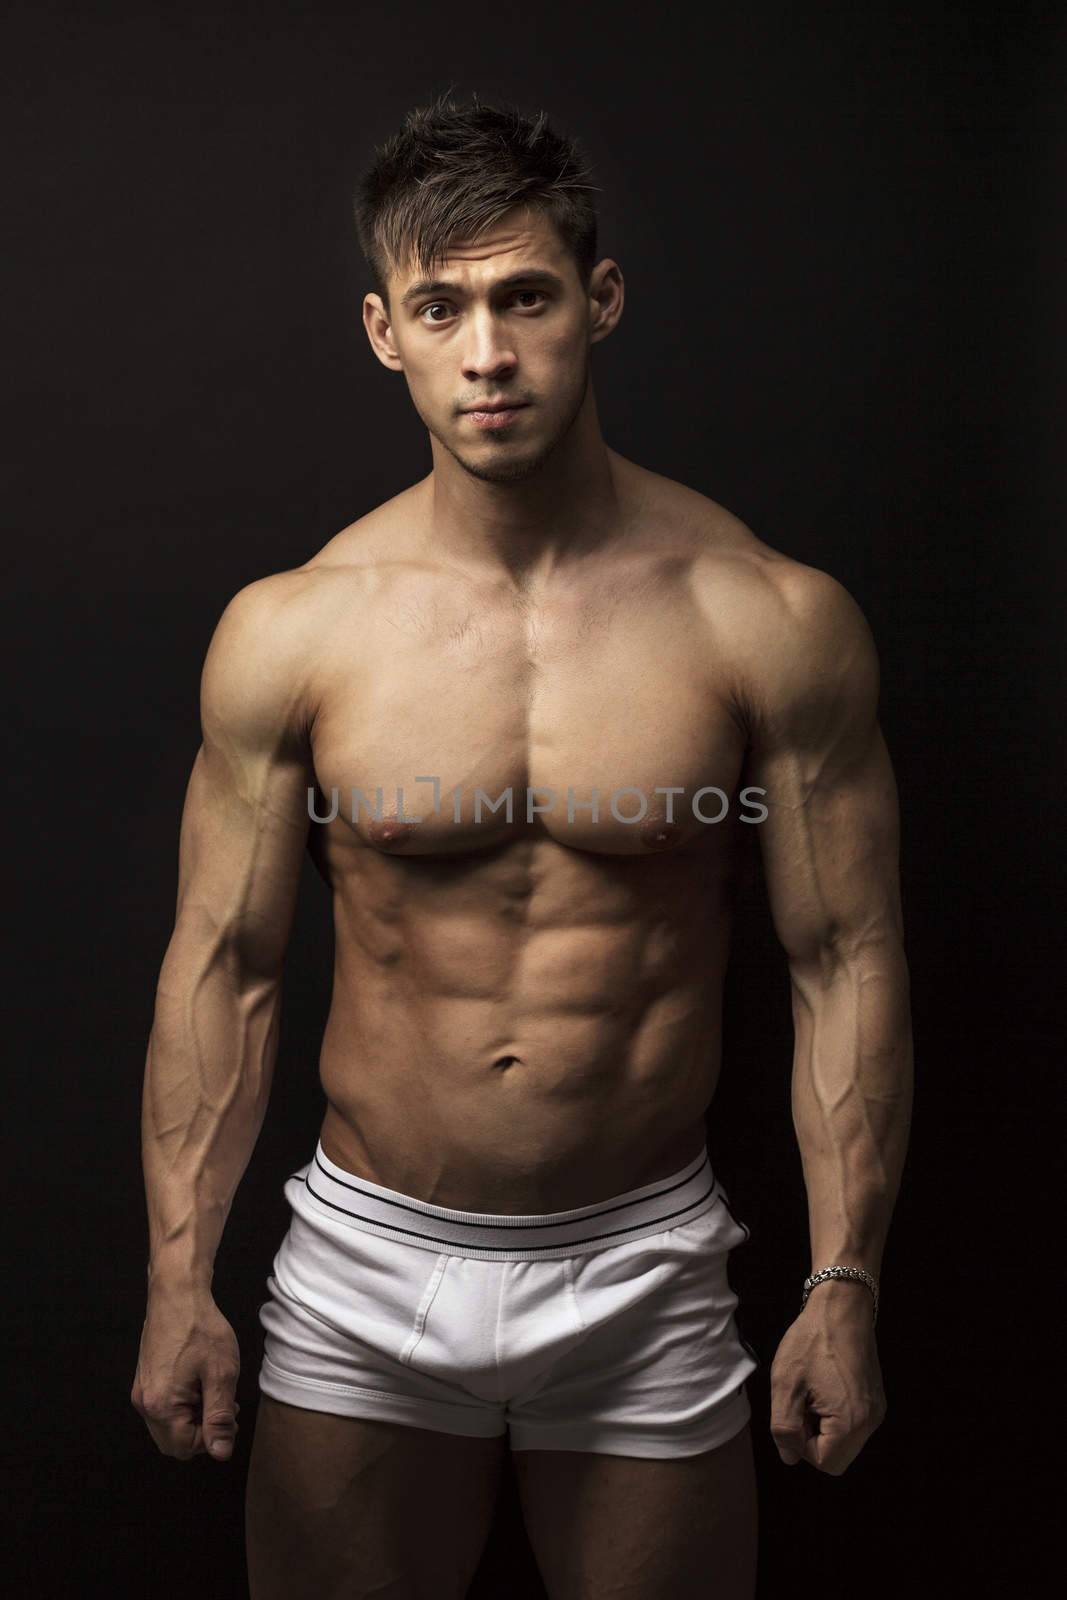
pixel 529 528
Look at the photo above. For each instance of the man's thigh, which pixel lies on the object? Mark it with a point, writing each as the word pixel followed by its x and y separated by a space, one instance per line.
pixel 338 1508
pixel 633 1529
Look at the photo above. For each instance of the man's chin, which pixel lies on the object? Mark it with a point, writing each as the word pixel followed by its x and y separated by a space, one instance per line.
pixel 504 467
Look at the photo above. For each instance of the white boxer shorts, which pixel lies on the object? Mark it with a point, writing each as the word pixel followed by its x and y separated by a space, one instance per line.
pixel 608 1328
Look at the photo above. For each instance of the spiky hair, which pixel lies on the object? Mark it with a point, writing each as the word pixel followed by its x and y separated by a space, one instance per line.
pixel 453 171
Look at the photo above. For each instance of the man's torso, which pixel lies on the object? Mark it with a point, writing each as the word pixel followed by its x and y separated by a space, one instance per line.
pixel 526 1013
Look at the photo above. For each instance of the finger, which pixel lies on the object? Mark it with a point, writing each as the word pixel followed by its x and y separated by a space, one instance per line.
pixel 834 1453
pixel 794 1427
pixel 219 1420
pixel 789 1432
pixel 790 1443
pixel 175 1435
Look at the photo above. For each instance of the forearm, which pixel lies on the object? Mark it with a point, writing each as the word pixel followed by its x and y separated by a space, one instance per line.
pixel 208 1074
pixel 851 1100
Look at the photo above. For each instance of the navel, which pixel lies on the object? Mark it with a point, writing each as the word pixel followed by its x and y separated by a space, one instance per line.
pixel 658 835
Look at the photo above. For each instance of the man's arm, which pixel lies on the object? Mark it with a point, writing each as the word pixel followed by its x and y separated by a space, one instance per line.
pixel 212 1048
pixel 830 852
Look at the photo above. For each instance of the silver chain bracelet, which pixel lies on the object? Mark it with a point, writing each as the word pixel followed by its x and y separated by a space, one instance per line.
pixel 841 1272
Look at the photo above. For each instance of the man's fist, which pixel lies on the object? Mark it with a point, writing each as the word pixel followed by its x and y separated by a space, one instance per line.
pixel 187 1373
pixel 827 1396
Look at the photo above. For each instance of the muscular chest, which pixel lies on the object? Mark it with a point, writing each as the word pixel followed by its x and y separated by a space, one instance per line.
pixel 595 720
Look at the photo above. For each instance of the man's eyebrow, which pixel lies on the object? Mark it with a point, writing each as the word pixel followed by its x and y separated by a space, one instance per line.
pixel 513 279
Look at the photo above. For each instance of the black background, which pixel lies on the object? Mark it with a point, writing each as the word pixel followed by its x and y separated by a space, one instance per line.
pixel 841 232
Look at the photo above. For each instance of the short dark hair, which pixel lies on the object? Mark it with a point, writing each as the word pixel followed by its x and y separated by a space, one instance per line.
pixel 453 171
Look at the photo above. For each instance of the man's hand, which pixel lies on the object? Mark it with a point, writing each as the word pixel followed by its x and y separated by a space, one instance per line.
pixel 826 1384
pixel 187 1374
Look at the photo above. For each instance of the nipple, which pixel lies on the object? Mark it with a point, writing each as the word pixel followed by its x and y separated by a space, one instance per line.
pixel 390 831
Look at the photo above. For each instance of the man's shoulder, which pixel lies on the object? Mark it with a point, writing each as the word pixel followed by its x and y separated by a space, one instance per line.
pixel 256 668
pixel 273 635
pixel 781 629
pixel 302 600
pixel 743 580
pixel 721 547
pixel 271 620
pixel 370 542
pixel 773 596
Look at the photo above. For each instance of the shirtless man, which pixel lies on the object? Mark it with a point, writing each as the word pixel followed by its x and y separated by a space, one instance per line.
pixel 510 1234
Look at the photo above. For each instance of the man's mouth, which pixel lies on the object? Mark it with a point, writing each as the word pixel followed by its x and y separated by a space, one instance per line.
pixel 495 415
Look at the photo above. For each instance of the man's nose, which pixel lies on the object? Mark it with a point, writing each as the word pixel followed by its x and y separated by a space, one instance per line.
pixel 488 352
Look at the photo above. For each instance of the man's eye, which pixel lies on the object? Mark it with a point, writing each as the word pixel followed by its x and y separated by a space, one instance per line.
pixel 442 305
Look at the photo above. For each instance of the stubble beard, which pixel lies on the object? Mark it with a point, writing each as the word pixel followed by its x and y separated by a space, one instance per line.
pixel 513 469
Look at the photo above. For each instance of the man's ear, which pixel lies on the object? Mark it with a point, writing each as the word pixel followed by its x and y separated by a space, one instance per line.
pixel 380 332
pixel 606 295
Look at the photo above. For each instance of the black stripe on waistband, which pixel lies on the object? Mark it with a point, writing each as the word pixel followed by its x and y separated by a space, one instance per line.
pixel 462 1222
pixel 562 1244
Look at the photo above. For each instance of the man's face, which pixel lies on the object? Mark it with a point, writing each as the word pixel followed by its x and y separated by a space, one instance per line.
pixel 503 318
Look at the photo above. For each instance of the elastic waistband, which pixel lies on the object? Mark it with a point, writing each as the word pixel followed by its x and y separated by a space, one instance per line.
pixel 355 1201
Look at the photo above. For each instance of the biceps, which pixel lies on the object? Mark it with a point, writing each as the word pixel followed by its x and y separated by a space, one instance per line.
pixel 242 844
pixel 830 850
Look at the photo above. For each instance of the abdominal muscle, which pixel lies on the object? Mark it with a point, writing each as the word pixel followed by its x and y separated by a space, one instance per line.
pixel 522 1053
